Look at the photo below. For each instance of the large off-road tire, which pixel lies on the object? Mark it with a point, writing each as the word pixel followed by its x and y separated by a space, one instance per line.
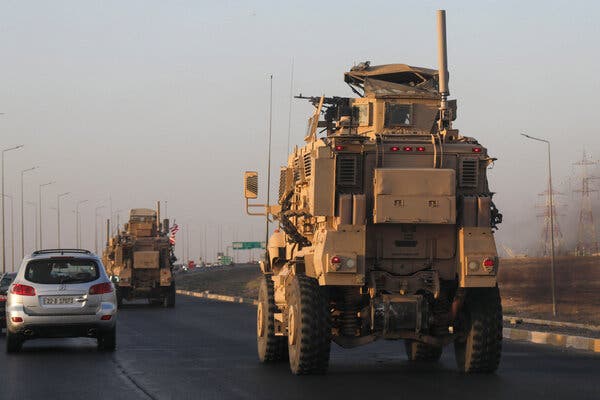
pixel 479 344
pixel 169 299
pixel 271 348
pixel 107 341
pixel 419 351
pixel 14 342
pixel 309 326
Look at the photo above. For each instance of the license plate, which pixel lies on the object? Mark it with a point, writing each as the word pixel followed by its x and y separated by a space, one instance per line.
pixel 58 300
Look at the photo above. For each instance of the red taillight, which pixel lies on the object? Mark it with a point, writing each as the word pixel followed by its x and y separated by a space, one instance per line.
pixel 16 319
pixel 407 148
pixel 105 317
pixel 336 260
pixel 421 148
pixel 101 288
pixel 394 148
pixel 339 148
pixel 22 290
pixel 476 149
pixel 488 262
pixel 2 297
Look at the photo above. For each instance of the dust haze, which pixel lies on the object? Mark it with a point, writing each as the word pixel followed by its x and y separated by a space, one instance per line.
pixel 126 103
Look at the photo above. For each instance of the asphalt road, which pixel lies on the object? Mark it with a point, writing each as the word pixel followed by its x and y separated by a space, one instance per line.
pixel 206 350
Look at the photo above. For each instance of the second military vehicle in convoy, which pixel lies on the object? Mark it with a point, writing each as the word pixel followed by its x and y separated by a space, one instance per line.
pixel 386 228
pixel 140 259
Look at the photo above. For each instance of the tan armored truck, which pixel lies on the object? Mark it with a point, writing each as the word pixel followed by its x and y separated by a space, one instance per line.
pixel 139 259
pixel 386 228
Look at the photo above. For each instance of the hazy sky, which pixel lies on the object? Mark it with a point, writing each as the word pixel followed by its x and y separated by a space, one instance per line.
pixel 167 100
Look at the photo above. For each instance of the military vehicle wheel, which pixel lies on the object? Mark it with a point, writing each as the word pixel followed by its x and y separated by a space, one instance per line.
pixel 309 327
pixel 13 342
pixel 169 299
pixel 479 345
pixel 107 341
pixel 271 348
pixel 419 351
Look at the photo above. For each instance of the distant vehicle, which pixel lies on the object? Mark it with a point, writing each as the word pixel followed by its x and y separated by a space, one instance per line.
pixel 224 260
pixel 61 293
pixel 191 264
pixel 5 281
pixel 140 258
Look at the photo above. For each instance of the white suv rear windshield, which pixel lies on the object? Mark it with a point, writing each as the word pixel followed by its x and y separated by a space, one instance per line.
pixel 61 270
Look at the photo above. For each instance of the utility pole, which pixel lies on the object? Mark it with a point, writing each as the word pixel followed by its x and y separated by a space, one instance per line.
pixel 35 222
pixel 96 228
pixel 270 131
pixel 2 195
pixel 587 241
pixel 58 197
pixel 23 212
pixel 547 226
pixel 77 224
pixel 551 213
pixel 12 232
pixel 41 246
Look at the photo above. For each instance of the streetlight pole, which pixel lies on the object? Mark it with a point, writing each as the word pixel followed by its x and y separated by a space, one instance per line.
pixel 3 230
pixel 35 222
pixel 23 211
pixel 77 227
pixel 551 212
pixel 117 213
pixel 96 228
pixel 12 231
pixel 58 197
pixel 40 213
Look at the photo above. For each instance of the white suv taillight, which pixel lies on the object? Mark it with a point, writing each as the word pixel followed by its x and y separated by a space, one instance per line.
pixel 22 290
pixel 101 288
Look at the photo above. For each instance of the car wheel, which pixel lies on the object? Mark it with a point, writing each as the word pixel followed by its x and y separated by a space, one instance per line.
pixel 14 342
pixel 107 341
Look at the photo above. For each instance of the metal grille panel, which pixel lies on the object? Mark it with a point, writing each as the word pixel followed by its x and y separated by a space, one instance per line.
pixel 348 173
pixel 307 165
pixel 469 172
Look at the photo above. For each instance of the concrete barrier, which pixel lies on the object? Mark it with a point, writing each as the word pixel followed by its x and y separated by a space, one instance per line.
pixel 553 339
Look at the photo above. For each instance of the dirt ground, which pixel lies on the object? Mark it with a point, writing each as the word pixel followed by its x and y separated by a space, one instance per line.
pixel 239 280
pixel 526 290
pixel 524 286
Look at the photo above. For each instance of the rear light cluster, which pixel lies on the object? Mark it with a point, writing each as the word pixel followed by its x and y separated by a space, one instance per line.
pixel 22 290
pixel 106 317
pixel 101 288
pixel 407 148
pixel 489 264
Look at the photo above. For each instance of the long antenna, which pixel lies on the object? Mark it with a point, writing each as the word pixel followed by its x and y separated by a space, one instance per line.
pixel 269 158
pixel 442 66
pixel 290 107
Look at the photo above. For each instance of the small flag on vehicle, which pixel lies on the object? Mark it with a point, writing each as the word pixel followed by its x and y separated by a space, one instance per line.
pixel 173 232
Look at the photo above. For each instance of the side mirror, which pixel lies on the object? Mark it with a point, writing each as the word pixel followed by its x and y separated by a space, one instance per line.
pixel 250 184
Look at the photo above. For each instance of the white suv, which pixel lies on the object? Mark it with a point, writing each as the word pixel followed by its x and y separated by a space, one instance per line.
pixel 61 293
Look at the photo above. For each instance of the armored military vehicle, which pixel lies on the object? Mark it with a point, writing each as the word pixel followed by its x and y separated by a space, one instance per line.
pixel 386 228
pixel 140 259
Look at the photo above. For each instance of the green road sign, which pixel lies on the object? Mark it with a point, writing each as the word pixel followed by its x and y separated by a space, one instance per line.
pixel 247 245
